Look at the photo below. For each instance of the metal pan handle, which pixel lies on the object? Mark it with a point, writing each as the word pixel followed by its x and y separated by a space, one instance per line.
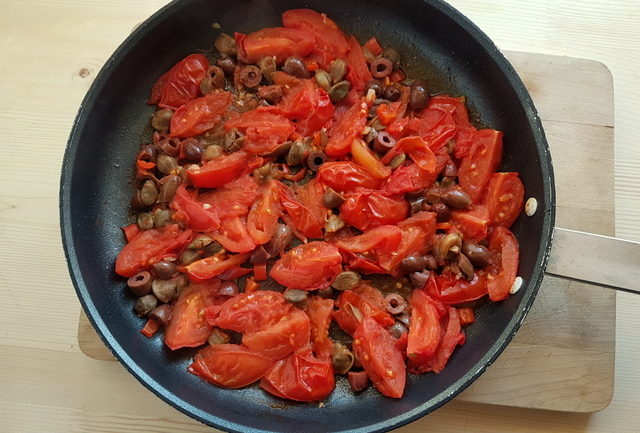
pixel 602 260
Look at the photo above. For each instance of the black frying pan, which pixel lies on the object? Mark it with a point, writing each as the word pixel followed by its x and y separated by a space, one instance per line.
pixel 438 43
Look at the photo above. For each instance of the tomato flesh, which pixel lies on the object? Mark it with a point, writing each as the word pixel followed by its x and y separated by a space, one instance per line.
pixel 229 365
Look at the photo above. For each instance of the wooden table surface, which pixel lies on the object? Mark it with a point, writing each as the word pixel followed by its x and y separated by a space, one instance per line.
pixel 50 50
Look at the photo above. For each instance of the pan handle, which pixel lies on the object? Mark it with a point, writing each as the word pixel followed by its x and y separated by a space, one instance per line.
pixel 595 259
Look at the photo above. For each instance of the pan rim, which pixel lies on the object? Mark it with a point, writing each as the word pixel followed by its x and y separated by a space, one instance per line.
pixel 207 418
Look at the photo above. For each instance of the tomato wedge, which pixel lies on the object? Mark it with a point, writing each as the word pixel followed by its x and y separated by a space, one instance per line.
pixel 449 289
pixel 281 338
pixel 367 160
pixel 229 365
pixel 358 71
pixel 199 218
pixel 319 311
pixel 210 267
pixel 473 224
pixel 424 329
pixel 181 83
pixel 505 198
pixel 232 199
pixel 264 130
pixel 353 308
pixel 280 42
pixel 199 115
pixel 346 129
pixel 418 151
pixel 308 267
pixel 223 169
pixel 305 216
pixel 483 159
pixel 451 338
pixel 504 268
pixel 365 210
pixel 251 312
pixel 262 220
pixel 346 176
pixel 188 326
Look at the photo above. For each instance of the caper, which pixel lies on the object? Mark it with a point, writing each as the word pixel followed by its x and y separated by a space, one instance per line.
pixel 339 91
pixel 233 140
pixel 332 199
pixel 333 224
pixel 168 187
pixel 212 152
pixel 346 280
pixel 341 358
pixel 295 296
pixel 166 164
pixel 161 119
pixel 199 242
pixel 149 193
pixel 145 304
pixel 398 160
pixel 189 256
pixel 145 221
pixel 450 245
pixel 164 290
pixel 281 150
pixel 338 70
pixel 264 172
pixel 161 217
pixel 272 94
pixel 297 153
pixel 267 66
pixel 226 44
pixel 227 64
pixel 323 79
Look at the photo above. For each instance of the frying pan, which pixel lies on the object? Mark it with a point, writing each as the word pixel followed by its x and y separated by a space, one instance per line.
pixel 437 43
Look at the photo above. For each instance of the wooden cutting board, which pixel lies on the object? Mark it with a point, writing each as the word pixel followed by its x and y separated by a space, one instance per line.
pixel 563 356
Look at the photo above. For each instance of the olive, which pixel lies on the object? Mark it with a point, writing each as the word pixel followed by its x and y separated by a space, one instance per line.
pixel 323 79
pixel 456 198
pixel 331 199
pixel 383 142
pixel 377 87
pixel 281 239
pixel 392 93
pixel 226 44
pixel 398 160
pixel 315 159
pixel 218 336
pixel 413 264
pixel 325 293
pixel 161 119
pixel 442 212
pixel 296 66
pixel 297 153
pixel 358 380
pixel 189 256
pixel 381 67
pixel 338 70
pixel 233 140
pixel 341 358
pixel 212 152
pixel 431 263
pixel 419 279
pixel 417 205
pixel 228 288
pixel 404 318
pixel 339 91
pixel 162 313
pixel 161 217
pixel 227 64
pixel 213 80
pixel 450 245
pixel 164 269
pixel 140 283
pixel 192 150
pixel 398 329
pixel 145 221
pixel 333 224
pixel 418 96
pixel 167 164
pixel 168 187
pixel 267 66
pixel 170 146
pixel 393 55
pixel 477 254
pixel 295 296
pixel 394 303
pixel 260 255
pixel 272 94
pixel 346 280
pixel 465 266
pixel 148 193
pixel 145 304
pixel 136 201
pixel 165 290
pixel 250 76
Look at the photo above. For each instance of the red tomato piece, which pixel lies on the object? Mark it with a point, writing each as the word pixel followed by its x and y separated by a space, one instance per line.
pixel 181 83
pixel 308 267
pixel 223 169
pixel 279 42
pixel 229 365
pixel 149 247
pixel 150 328
pixel 449 289
pixel 466 316
pixel 305 216
pixel 362 264
pixel 199 115
pixel 210 267
pixel 251 312
pixel 424 329
pixel 300 377
pixel 418 151
pixel 234 236
pixel 198 217
pixel 262 220
pixel 505 198
pixel 353 308
pixel 380 242
pixel 345 129
pixel 307 105
pixel 365 210
pixel 131 231
pixel 358 71
pixel 505 259
pixel 473 224
pixel 373 46
pixel 435 126
pixel 376 350
pixel 368 160
pixel 483 159
pixel 418 232
pixel 319 311
pixel 407 178
pixel 234 198
pixel 265 131
pixel 188 326
pixel 346 176
pixel 281 338
pixel 451 338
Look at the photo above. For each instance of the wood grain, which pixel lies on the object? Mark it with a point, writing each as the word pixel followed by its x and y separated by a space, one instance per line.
pixel 560 358
pixel 48 385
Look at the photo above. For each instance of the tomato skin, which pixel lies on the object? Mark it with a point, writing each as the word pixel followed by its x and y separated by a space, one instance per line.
pixel 365 210
pixel 466 316
pixel 188 326
pixel 505 198
pixel 262 220
pixel 418 232
pixel 307 105
pixel 234 236
pixel 366 305
pixel 435 125
pixel 223 169
pixel 229 365
pixel 300 377
pixel 253 311
pixel 280 42
pixel 305 212
pixel 181 83
pixel 407 178
pixel 418 151
pixel 281 338
pixel 382 360
pixel 149 247
pixel 451 338
pixel 367 160
pixel 448 289
pixel 319 311
pixel 483 159
pixel 381 242
pixel 424 329
pixel 345 176
pixel 209 267
pixel 131 231
pixel 309 266
pixel 345 129
pixel 264 130
pixel 473 224
pixel 358 71
pixel 199 218
pixel 505 256
pixel 232 199
pixel 373 46
pixel 199 115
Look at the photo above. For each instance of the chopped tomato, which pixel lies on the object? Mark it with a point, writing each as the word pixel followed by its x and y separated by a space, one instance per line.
pixel 279 42
pixel 353 308
pixel 368 160
pixel 234 236
pixel 408 178
pixel 260 271
pixel 251 312
pixel 232 199
pixel 307 105
pixel 504 268
pixel 473 224
pixel 181 83
pixel 466 316
pixel 380 242
pixel 373 46
pixel 319 311
pixel 308 267
pixel 345 176
pixel 188 326
pixel 376 350
pixel 451 338
pixel 369 209
pixel 131 231
pixel 435 126
pixel 483 159
pixel 262 220
pixel 264 130
pixel 358 71
pixel 418 151
pixel 418 232
pixel 210 267
pixel 424 329
pixel 345 129
pixel 150 328
pixel 198 216
pixel 277 340
pixel 223 169
pixel 300 377
pixel 199 115
pixel 450 289
pixel 229 365
pixel 359 263
pixel 505 198
pixel 304 217
pixel 149 247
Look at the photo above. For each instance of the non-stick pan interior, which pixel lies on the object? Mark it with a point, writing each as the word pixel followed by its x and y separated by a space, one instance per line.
pixel 438 44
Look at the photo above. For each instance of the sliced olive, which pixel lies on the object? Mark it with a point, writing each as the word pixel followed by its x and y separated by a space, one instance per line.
pixel 477 254
pixel 358 380
pixel 250 76
pixel 419 279
pixel 392 93
pixel 227 64
pixel 213 80
pixel 164 269
pixel 145 221
pixel 381 67
pixel 162 313
pixel 297 153
pixel 465 266
pixel 272 94
pixel 394 303
pixel 418 96
pixel 377 87
pixel 442 212
pixel 383 142
pixel 341 358
pixel 140 283
pixel 281 150
pixel 315 159
pixel 168 187
pixel 398 329
pixel 281 240
pixel 413 263
pixel 259 255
